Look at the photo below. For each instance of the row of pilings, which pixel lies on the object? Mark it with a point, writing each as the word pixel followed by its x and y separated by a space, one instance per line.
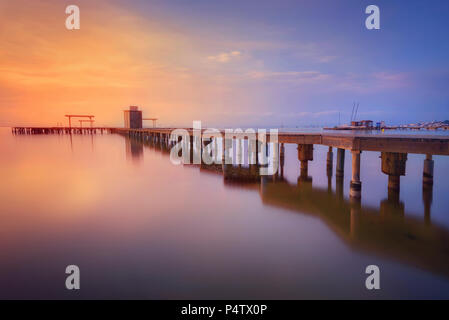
pixel 194 149
pixel 393 164
pixel 57 130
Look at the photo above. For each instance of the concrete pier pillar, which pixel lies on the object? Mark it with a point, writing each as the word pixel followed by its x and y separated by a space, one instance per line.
pixel 305 154
pixel 182 149
pixel 223 151
pixel 206 149
pixel 394 182
pixel 191 149
pixel 340 167
pixel 252 151
pixel 216 160
pixel 282 159
pixel 238 144
pixel 428 171
pixel 227 151
pixel 304 167
pixel 329 162
pixel 356 184
pixel 393 164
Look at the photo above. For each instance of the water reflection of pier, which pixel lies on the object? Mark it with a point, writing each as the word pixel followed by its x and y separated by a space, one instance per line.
pixel 387 231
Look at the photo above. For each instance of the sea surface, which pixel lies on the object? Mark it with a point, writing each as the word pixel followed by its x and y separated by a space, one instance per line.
pixel 139 226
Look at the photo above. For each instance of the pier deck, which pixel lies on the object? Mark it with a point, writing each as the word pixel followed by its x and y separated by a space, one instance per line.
pixel 419 144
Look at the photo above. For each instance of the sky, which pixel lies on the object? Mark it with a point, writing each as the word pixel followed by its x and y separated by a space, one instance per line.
pixel 225 63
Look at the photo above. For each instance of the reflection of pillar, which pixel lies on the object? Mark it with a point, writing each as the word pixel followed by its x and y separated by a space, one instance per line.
pixel 282 159
pixel 427 190
pixel 134 150
pixel 393 164
pixel 339 187
pixel 428 171
pixel 305 153
pixel 356 184
pixel 340 168
pixel 392 206
pixel 356 208
pixel 427 196
pixel 305 182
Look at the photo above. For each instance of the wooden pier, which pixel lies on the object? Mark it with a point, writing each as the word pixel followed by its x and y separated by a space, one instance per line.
pixel 393 148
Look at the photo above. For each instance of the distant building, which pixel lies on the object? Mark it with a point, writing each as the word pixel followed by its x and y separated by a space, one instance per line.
pixel 133 118
pixel 380 125
pixel 362 123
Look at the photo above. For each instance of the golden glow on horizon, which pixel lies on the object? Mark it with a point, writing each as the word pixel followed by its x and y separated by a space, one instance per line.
pixel 115 60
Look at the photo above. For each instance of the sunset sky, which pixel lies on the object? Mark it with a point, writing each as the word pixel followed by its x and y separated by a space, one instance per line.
pixel 226 63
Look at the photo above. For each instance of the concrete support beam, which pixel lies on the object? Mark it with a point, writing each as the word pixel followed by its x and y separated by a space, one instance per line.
pixel 356 184
pixel 393 164
pixel 305 154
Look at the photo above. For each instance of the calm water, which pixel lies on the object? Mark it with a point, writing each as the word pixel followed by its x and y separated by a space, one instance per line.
pixel 140 227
